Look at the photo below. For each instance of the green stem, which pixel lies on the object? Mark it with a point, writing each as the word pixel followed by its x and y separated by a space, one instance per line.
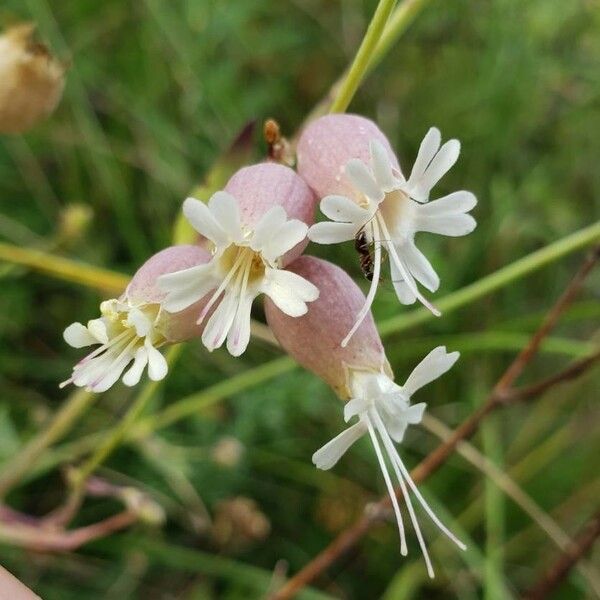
pixel 202 400
pixel 497 280
pixel 363 57
pixel 119 433
pixel 398 23
pixel 494 511
pixel 61 422
pixel 64 268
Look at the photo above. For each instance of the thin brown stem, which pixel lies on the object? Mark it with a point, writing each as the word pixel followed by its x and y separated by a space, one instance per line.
pixel 553 577
pixel 33 537
pixel 500 395
pixel 571 372
pixel 567 297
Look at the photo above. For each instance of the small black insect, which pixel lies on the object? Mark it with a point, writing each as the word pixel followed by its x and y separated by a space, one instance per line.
pixel 363 247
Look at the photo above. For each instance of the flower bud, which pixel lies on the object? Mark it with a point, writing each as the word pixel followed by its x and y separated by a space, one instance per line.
pixel 314 338
pixel 31 80
pixel 133 327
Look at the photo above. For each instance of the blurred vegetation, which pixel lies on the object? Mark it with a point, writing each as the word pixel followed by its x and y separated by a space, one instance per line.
pixel 156 91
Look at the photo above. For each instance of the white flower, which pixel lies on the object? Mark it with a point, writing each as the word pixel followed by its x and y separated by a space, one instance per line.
pixel 383 408
pixel 246 262
pixel 393 211
pixel 125 332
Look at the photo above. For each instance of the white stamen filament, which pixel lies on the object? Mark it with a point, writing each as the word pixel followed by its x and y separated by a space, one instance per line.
pixel 240 281
pixel 241 257
pixel 103 347
pixel 424 503
pixel 120 357
pixel 245 277
pixel 101 361
pixel 411 511
pixel 364 311
pixel 403 270
pixel 375 422
pixel 390 487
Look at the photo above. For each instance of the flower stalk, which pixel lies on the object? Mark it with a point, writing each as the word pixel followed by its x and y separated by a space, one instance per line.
pixel 363 57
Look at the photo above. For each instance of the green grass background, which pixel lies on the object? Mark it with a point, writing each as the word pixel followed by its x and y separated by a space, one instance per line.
pixel 157 90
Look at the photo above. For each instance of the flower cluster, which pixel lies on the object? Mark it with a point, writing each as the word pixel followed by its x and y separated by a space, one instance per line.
pixel 250 243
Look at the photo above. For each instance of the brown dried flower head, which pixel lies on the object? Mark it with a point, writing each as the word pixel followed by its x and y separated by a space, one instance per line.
pixel 31 80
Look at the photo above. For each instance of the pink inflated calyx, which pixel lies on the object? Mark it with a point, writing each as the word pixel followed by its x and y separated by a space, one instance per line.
pixel 328 143
pixel 314 338
pixel 133 327
pixel 254 228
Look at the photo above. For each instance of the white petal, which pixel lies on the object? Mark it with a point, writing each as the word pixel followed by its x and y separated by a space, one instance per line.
pixel 419 266
pixel 180 279
pixel 220 321
pixel 414 413
pixel 97 327
pixel 133 375
pixel 239 334
pixel 396 429
pixel 157 363
pixel 329 232
pixel 381 165
pixel 140 322
pixel 356 406
pixel 440 165
pixel 434 365
pixel 361 177
pixel 284 239
pixel 343 210
pixel 110 372
pixel 271 221
pixel 429 146
pixel 78 336
pixel 402 289
pixel 203 221
pixel 225 210
pixel 453 225
pixel 183 291
pixel 327 456
pixel 289 291
pixel 457 202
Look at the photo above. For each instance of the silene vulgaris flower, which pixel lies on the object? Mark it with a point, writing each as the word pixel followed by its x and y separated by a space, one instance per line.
pixel 132 328
pixel 349 163
pixel 360 374
pixel 253 228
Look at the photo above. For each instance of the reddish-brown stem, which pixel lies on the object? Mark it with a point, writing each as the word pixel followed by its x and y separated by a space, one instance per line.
pixel 560 569
pixel 34 537
pixel 501 394
pixel 571 372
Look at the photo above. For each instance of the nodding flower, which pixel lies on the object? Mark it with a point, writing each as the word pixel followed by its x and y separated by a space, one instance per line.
pixel 255 227
pixel 360 374
pixel 31 80
pixel 349 163
pixel 132 328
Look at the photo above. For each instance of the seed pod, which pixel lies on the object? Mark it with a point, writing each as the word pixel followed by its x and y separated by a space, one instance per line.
pixel 31 80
